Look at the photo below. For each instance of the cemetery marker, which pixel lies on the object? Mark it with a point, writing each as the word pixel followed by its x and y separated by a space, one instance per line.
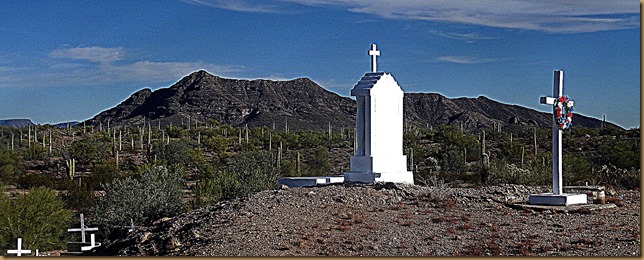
pixel 82 229
pixel 557 197
pixel 19 251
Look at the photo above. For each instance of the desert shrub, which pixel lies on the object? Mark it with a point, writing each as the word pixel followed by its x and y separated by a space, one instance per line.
pixel 103 172
pixel 620 153
pixel 453 159
pixel 288 168
pixel 577 171
pixel 248 172
pixel 157 193
pixel 36 180
pixel 9 166
pixel 627 179
pixel 79 198
pixel 176 131
pixel 502 172
pixel 87 151
pixel 38 217
pixel 319 162
pixel 174 153
pixel 217 144
pixel 35 152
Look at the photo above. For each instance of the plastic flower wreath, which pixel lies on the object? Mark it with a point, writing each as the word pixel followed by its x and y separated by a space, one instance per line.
pixel 563 106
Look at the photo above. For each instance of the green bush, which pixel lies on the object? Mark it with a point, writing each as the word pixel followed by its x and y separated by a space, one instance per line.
pixel 248 172
pixel 319 162
pixel 39 218
pixel 157 193
pixel 9 166
pixel 174 153
pixel 35 152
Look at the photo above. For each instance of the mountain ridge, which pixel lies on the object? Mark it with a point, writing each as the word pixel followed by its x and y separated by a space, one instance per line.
pixel 302 104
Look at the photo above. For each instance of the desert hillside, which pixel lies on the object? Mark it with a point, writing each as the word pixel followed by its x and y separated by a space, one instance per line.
pixel 392 220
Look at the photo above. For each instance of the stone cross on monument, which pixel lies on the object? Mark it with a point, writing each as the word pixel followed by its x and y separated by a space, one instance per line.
pixel 82 228
pixel 19 251
pixel 379 129
pixel 557 197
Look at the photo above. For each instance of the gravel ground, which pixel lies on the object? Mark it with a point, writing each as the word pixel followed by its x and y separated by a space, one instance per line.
pixel 391 220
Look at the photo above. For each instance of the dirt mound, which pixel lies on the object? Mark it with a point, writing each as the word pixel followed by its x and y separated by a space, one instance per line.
pixel 388 220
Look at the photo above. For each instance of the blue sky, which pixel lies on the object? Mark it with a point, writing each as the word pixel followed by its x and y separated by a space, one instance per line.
pixel 70 60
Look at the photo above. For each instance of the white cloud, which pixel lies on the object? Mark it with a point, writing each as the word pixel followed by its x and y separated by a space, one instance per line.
pixel 469 37
pixel 237 5
pixel 94 54
pixel 554 16
pixel 464 59
pixel 53 71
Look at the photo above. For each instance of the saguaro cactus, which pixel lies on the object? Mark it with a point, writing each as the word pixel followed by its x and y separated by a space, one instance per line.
pixel 71 167
pixel 485 160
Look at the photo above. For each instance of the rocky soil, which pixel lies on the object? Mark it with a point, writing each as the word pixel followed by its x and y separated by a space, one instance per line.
pixel 391 220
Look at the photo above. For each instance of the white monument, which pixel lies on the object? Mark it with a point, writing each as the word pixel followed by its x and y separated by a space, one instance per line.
pixel 19 251
pixel 557 197
pixel 379 129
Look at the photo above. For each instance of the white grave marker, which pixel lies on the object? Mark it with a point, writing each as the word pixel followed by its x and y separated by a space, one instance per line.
pixel 82 229
pixel 379 125
pixel 92 244
pixel 557 197
pixel 19 251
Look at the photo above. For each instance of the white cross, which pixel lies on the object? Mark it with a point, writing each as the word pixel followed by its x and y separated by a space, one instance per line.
pixel 92 243
pixel 557 167
pixel 131 227
pixel 373 53
pixel 82 229
pixel 19 251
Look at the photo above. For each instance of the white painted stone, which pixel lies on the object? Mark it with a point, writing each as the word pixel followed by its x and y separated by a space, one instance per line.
pixel 379 129
pixel 82 228
pixel 296 182
pixel 557 197
pixel 19 251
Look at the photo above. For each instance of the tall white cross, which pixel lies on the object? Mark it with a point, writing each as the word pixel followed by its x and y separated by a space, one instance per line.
pixel 374 53
pixel 82 229
pixel 557 168
pixel 19 251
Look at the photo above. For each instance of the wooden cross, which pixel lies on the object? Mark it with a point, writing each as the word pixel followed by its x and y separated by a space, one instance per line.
pixel 82 229
pixel 19 251
pixel 557 167
pixel 373 53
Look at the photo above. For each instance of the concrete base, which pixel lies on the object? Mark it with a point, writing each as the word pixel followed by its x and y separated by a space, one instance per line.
pixel 76 247
pixel 371 177
pixel 563 199
pixel 295 182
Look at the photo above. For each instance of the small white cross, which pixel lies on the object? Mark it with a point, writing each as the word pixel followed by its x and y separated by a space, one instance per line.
pixel 19 251
pixel 373 53
pixel 82 229
pixel 92 244
pixel 131 227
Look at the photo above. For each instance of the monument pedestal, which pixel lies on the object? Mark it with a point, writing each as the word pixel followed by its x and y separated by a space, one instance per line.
pixel 369 169
pixel 296 182
pixel 563 199
pixel 371 177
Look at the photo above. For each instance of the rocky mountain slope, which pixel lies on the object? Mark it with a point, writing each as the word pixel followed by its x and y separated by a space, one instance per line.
pixel 18 123
pixel 303 104
pixel 300 103
pixel 391 220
